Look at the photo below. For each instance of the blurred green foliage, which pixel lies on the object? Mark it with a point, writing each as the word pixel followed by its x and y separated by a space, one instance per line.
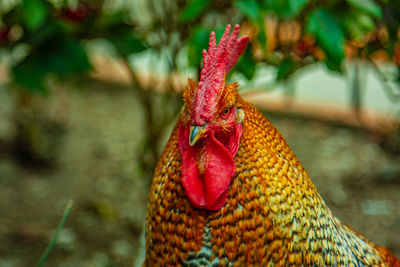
pixel 285 9
pixel 54 32
pixel 47 38
pixel 193 10
pixel 54 37
pixel 249 8
pixel 323 24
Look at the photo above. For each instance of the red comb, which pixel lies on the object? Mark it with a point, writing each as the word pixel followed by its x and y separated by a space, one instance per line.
pixel 216 64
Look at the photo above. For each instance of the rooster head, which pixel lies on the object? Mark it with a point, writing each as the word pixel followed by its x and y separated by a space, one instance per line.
pixel 211 126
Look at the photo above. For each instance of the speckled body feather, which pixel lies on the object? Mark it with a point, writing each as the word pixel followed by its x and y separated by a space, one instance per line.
pixel 273 215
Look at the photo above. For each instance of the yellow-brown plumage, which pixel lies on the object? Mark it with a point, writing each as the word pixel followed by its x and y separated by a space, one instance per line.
pixel 273 213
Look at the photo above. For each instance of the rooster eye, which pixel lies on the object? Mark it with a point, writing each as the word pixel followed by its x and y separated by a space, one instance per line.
pixel 226 111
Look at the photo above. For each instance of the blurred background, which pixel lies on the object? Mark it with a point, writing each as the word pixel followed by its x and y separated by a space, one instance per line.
pixel 90 89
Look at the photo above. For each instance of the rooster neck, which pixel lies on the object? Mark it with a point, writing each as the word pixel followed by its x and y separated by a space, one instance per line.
pixel 267 218
pixel 272 196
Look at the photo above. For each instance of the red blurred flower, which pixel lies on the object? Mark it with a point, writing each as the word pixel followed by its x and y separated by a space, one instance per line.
pixel 304 47
pixel 4 31
pixel 76 15
pixel 396 56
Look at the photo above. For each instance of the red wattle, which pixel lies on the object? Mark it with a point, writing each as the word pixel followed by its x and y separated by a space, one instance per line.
pixel 191 179
pixel 208 190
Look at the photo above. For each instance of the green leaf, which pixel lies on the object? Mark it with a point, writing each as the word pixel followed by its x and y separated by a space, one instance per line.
pixel 368 6
pixel 285 69
pixel 249 8
pixel 261 36
pixel 218 34
pixel 246 64
pixel 29 76
pixel 328 33
pixel 333 65
pixel 357 24
pixel 59 55
pixel 34 13
pixel 197 43
pixel 128 44
pixel 353 30
pixel 285 8
pixel 193 10
pixel 68 58
pixel 50 29
pixel 365 21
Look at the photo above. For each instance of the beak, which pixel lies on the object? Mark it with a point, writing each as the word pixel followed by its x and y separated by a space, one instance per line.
pixel 196 132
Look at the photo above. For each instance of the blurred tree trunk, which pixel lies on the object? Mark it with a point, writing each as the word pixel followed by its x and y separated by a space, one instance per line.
pixel 160 109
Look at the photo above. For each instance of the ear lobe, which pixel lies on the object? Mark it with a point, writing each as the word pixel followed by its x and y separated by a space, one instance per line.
pixel 234 141
pixel 239 115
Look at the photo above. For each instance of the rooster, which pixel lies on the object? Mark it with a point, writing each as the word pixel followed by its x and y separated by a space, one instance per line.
pixel 228 190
